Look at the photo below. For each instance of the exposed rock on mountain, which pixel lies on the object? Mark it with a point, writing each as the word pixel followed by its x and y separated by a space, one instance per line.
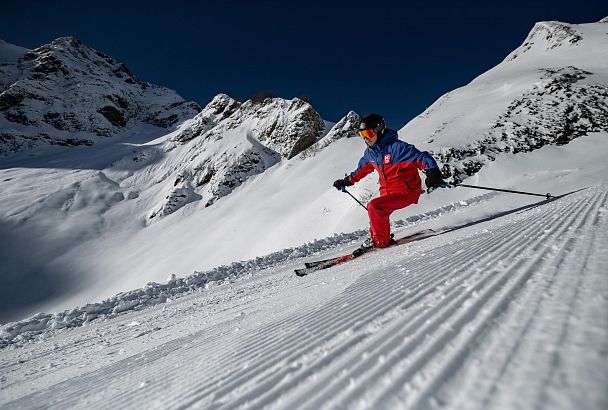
pixel 228 142
pixel 181 193
pixel 67 93
pixel 286 126
pixel 555 111
pixel 220 108
pixel 347 127
pixel 546 36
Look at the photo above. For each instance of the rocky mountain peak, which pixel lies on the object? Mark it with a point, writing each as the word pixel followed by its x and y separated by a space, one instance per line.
pixel 221 107
pixel 347 127
pixel 228 142
pixel 546 36
pixel 285 126
pixel 67 93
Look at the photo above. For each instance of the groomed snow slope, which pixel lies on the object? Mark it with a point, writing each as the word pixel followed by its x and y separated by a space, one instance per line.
pixel 506 312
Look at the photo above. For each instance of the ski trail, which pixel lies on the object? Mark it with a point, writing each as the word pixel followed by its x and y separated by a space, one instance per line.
pixel 41 325
pixel 415 326
pixel 253 394
pixel 527 269
pixel 416 315
pixel 532 267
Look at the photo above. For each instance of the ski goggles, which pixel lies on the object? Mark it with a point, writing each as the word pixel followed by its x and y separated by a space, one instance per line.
pixel 367 134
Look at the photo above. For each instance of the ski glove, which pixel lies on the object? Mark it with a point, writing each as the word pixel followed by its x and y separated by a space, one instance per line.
pixel 434 179
pixel 340 184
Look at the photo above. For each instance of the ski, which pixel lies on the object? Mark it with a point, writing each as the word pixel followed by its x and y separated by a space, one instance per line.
pixel 324 264
pixel 328 263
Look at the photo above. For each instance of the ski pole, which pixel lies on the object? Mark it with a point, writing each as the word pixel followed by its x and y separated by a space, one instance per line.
pixel 547 195
pixel 352 196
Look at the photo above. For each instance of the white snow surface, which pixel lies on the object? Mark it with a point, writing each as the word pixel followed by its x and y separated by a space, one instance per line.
pixel 506 311
pixel 201 308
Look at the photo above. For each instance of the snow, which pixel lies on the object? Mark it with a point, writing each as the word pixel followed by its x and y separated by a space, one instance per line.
pixel 201 308
pixel 508 311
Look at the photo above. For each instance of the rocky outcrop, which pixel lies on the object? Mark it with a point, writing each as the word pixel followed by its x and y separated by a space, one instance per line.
pixel 220 108
pixel 228 142
pixel 545 36
pixel 181 193
pixel 347 127
pixel 287 127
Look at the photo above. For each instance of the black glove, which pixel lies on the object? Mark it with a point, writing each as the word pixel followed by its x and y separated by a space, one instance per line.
pixel 340 184
pixel 434 179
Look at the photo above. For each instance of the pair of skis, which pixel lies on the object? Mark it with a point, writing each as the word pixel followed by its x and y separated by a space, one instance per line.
pixel 338 260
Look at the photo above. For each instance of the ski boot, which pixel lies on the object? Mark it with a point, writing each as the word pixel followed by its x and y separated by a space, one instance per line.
pixel 368 245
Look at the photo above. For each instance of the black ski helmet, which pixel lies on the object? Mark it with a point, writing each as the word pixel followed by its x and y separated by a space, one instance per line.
pixel 372 122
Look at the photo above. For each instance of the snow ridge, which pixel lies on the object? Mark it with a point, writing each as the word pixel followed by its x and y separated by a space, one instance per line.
pixel 546 36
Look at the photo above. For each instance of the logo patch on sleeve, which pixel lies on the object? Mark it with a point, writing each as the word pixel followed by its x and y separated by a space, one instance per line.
pixel 387 158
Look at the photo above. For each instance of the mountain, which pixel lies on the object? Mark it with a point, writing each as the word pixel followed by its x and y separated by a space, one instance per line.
pixel 239 180
pixel 228 142
pixel 65 93
pixel 127 173
pixel 550 90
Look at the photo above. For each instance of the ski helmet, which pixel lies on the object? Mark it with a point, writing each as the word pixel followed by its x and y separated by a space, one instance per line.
pixel 372 122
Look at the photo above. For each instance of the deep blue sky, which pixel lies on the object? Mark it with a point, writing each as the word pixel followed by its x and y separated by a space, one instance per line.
pixel 391 57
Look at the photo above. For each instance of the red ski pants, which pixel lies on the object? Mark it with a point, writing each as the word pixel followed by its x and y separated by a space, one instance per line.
pixel 379 210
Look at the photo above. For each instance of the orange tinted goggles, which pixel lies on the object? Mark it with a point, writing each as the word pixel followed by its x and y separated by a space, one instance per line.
pixel 367 134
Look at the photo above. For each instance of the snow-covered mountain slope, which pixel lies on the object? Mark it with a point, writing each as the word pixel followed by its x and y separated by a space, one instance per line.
pixel 507 311
pixel 56 200
pixel 90 222
pixel 550 90
pixel 69 94
pixel 455 207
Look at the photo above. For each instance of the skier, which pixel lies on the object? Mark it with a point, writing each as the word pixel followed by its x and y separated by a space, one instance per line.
pixel 397 164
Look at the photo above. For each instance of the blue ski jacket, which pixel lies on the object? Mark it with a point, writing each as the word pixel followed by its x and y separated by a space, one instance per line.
pixel 397 163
